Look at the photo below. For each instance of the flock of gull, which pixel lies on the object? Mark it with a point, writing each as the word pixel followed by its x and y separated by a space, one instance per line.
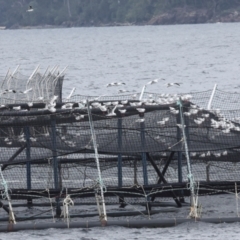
pixel 110 108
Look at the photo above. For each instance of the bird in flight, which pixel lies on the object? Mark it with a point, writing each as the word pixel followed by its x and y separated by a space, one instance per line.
pixel 30 9
pixel 172 84
pixel 8 91
pixel 115 84
pixel 152 82
pixel 26 91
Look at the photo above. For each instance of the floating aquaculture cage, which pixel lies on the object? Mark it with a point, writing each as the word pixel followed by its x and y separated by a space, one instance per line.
pixel 83 157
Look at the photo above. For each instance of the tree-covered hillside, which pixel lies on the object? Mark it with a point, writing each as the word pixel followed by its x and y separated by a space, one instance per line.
pixel 96 12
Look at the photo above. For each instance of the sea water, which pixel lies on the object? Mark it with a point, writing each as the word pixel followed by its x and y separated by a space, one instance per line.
pixel 197 56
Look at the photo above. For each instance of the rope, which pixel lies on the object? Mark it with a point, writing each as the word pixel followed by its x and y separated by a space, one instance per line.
pixel 102 185
pixel 4 193
pixel 6 196
pixel 50 200
pixel 67 202
pixel 236 194
pixel 193 211
pixel 97 162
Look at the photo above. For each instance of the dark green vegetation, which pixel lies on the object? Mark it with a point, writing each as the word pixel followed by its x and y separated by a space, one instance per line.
pixel 100 12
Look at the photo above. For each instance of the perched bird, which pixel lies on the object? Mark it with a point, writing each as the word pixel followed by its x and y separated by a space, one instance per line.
pixel 173 110
pixel 133 104
pixel 30 9
pixel 51 109
pixel 193 106
pixel 193 111
pixel 141 110
pixel 107 103
pixel 17 108
pixel 124 101
pixel 103 108
pixel 186 97
pixel 112 113
pixel 84 101
pixel 187 114
pixel 120 105
pixel 122 111
pixel 79 117
pixel 161 123
pixel 67 106
pixel 53 100
pixel 96 104
pixel 225 153
pixel 115 103
pixel 140 120
pixel 237 129
pixel 198 121
pixel 226 130
pixel 180 125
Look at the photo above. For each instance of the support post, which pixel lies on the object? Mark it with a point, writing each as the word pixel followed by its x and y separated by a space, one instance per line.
pixel 194 198
pixel 28 163
pixel 151 160
pixel 179 159
pixel 142 92
pixel 11 159
pixel 55 164
pixel 119 154
pixel 144 156
pixel 166 166
pixel 209 106
pixel 120 181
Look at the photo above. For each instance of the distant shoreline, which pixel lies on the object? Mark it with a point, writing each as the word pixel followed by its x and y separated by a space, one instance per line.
pixel 102 25
pixel 177 16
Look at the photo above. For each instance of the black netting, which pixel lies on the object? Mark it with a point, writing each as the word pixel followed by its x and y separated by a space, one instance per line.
pixel 47 149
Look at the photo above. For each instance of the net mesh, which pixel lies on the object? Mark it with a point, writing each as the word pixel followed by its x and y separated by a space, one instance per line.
pixel 47 148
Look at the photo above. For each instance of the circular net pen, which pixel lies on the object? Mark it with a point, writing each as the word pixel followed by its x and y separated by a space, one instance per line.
pixel 47 156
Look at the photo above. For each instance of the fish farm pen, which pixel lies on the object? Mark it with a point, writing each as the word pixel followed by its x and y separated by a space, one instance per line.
pixel 136 160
